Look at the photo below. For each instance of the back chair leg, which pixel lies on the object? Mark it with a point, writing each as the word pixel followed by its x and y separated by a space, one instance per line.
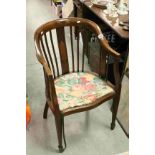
pixel 59 128
pixel 45 110
pixel 114 107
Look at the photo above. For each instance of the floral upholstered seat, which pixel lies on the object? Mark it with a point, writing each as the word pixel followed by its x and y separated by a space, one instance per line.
pixel 76 89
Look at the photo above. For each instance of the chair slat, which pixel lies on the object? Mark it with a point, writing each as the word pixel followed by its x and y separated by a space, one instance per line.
pixel 83 59
pixel 83 33
pixel 71 37
pixel 51 39
pixel 85 45
pixel 62 50
pixel 116 72
pixel 77 49
pixel 102 64
pixel 107 67
pixel 44 52
pixel 49 54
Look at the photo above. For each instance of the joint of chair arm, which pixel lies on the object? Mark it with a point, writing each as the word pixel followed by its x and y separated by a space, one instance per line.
pixel 47 69
pixel 105 45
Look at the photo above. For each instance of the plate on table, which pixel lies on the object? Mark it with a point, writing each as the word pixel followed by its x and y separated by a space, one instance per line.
pixel 100 3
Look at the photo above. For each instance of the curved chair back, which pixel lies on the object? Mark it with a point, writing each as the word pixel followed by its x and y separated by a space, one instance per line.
pixel 65 53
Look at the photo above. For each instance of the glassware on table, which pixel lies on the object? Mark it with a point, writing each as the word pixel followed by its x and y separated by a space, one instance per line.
pixel 113 12
pixel 114 1
pixel 94 1
pixel 111 9
pixel 122 8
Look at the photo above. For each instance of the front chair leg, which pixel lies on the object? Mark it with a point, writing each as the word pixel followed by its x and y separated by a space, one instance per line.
pixel 45 110
pixel 59 128
pixel 114 107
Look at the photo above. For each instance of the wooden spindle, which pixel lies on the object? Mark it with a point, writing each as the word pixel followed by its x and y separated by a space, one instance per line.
pixel 84 47
pixel 45 55
pixel 71 37
pixel 51 39
pixel 77 49
pixel 49 54
pixel 107 67
pixel 102 64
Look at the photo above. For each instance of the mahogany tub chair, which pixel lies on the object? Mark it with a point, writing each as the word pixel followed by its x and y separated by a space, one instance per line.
pixel 69 87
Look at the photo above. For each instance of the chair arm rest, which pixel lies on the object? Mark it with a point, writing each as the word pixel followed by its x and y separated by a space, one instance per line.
pixel 106 46
pixel 110 50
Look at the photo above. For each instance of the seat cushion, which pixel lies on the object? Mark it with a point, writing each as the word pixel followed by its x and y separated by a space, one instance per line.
pixel 76 89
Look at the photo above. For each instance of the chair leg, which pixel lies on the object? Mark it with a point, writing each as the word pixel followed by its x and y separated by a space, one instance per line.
pixel 45 110
pixel 115 109
pixel 59 128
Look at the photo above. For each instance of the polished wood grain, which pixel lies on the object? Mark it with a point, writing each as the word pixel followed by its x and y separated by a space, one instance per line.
pixel 45 57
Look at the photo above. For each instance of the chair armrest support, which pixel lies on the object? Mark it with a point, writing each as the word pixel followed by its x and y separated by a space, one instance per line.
pixel 53 101
pixel 116 57
pixel 50 87
pixel 47 69
pixel 117 76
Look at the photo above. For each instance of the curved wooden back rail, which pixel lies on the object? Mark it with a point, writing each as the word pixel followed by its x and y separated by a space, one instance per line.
pixel 67 55
pixel 44 30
